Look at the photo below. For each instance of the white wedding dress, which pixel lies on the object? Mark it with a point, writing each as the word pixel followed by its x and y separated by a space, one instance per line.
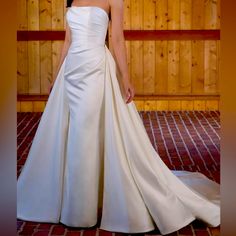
pixel 91 151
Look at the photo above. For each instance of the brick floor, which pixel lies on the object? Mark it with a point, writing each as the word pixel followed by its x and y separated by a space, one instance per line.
pixel 184 141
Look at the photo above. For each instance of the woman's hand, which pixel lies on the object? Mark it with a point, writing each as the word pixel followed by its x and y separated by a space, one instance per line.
pixel 128 90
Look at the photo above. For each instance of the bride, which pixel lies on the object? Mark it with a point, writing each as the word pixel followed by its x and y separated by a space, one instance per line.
pixel 91 150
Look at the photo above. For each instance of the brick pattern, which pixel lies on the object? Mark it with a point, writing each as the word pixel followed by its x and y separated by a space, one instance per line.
pixel 187 140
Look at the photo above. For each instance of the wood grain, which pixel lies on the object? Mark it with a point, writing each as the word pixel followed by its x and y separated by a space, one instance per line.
pixel 173 50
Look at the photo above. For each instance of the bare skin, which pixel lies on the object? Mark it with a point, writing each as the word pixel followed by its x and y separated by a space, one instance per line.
pixel 117 38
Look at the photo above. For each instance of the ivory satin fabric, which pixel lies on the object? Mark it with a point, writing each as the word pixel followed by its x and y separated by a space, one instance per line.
pixel 91 151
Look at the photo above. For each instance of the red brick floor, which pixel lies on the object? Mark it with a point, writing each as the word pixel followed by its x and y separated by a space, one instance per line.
pixel 184 141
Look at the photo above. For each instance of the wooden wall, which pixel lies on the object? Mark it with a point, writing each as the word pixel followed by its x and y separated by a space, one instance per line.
pixel 37 60
pixel 167 74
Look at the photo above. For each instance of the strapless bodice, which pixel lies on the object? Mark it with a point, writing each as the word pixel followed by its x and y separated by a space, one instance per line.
pixel 88 26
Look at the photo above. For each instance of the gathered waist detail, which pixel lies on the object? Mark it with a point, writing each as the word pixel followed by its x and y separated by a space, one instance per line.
pixel 84 46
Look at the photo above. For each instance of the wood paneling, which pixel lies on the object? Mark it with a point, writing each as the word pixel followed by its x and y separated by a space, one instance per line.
pixel 198 16
pixel 57 7
pixel 22 18
pixel 37 57
pixel 142 105
pixel 211 69
pixel 33 48
pixel 178 54
pixel 185 48
pixel 173 67
pixel 58 23
pixel 149 50
pixel 161 72
pixel 130 35
pixel 185 67
pixel 45 23
pixel 22 68
pixel 197 72
pixel 211 14
pixel 136 47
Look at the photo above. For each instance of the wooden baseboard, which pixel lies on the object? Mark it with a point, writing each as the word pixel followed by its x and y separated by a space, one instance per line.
pixel 142 105
pixel 138 97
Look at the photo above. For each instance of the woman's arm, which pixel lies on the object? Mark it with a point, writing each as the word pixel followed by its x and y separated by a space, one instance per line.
pixel 64 52
pixel 118 43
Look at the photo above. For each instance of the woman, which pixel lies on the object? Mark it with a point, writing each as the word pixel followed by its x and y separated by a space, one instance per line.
pixel 91 149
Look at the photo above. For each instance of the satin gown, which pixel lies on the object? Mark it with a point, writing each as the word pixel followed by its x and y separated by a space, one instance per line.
pixel 91 151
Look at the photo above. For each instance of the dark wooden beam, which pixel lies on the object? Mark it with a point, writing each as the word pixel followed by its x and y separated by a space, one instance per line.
pixel 40 35
pixel 172 34
pixel 31 97
pixel 130 35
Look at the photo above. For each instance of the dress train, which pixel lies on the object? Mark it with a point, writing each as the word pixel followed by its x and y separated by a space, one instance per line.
pixel 136 188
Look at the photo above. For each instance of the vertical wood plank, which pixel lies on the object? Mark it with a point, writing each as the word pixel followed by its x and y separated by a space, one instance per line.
pixel 161 14
pixel 139 105
pixel 173 67
pixel 161 75
pixel 161 70
pixel 33 14
pixel 198 16
pixel 149 67
pixel 174 14
pixel 173 47
pixel 212 105
pixel 127 14
pixel 58 23
pixel 45 20
pixel 198 67
pixel 211 75
pixel 174 105
pixel 199 105
pixel 218 20
pixel 45 15
pixel 185 48
pixel 137 46
pixel 33 48
pixel 185 67
pixel 198 22
pixel 218 66
pixel 22 68
pixel 22 22
pixel 211 15
pixel 26 106
pixel 186 105
pixel 150 105
pixel 57 8
pixel 22 49
pixel 185 14
pixel 38 106
pixel 34 67
pixel 45 65
pixel 162 105
pixel 149 49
